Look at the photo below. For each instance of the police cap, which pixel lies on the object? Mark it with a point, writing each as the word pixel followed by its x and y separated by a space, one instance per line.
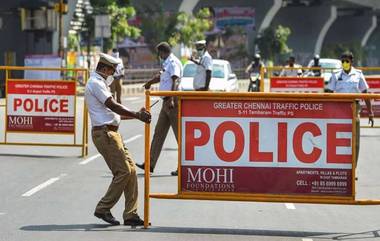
pixel 108 60
pixel 163 47
pixel 201 42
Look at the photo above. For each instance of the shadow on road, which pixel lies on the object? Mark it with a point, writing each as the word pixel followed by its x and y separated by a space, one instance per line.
pixel 34 156
pixel 217 231
pixel 141 175
pixel 66 227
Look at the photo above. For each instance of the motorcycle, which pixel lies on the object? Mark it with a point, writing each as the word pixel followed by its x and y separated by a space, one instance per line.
pixel 254 82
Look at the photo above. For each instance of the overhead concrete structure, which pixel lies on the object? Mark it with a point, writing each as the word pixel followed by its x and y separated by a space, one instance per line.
pixel 373 47
pixel 277 4
pixel 324 29
pixel 368 3
pixel 309 25
pixel 188 6
pixel 370 30
pixel 349 29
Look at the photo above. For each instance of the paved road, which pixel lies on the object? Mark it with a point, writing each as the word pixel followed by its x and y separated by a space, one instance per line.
pixel 45 196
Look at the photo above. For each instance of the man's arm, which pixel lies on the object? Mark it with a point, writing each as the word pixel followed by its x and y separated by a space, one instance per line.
pixel 370 110
pixel 208 78
pixel 194 60
pixel 141 115
pixel 174 88
pixel 152 81
pixel 249 67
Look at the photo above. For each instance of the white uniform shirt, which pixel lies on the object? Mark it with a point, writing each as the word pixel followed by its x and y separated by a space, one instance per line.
pixel 291 72
pixel 170 67
pixel 96 94
pixel 353 82
pixel 200 76
pixel 119 70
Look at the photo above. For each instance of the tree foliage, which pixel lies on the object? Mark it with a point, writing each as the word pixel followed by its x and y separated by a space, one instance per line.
pixel 158 25
pixel 119 11
pixel 336 50
pixel 72 42
pixel 273 41
pixel 191 28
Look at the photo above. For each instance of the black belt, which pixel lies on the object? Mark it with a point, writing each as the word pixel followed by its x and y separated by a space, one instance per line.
pixel 108 127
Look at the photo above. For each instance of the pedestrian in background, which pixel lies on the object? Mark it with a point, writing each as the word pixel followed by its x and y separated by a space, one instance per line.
pixel 351 80
pixel 105 116
pixel 117 84
pixel 203 60
pixel 168 77
pixel 292 69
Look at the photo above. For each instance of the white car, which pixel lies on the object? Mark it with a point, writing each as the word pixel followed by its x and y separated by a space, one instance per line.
pixel 331 65
pixel 222 77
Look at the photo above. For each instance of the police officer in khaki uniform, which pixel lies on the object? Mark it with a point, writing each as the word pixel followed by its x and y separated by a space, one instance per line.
pixel 105 114
pixel 168 78
pixel 351 80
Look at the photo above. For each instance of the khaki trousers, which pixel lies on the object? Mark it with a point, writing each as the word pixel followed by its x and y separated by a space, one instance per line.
pixel 166 119
pixel 110 145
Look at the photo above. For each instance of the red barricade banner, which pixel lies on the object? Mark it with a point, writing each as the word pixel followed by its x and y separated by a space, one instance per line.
pixel 374 87
pixel 41 106
pixel 297 84
pixel 266 147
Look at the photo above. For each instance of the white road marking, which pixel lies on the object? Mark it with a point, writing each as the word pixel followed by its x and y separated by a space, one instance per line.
pixel 89 159
pixel 132 139
pixel 307 239
pixel 2 214
pixel 43 185
pixel 137 101
pixel 131 98
pixel 290 206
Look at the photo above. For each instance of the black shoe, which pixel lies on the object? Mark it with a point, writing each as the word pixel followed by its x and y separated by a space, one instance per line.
pixel 107 217
pixel 142 166
pixel 136 221
pixel 174 173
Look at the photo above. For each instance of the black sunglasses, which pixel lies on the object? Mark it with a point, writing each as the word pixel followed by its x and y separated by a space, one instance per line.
pixel 345 61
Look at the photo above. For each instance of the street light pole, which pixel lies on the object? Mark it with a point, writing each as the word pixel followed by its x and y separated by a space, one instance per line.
pixel 60 29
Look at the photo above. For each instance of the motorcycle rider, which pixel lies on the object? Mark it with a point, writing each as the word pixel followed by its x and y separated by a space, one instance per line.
pixel 315 63
pixel 253 70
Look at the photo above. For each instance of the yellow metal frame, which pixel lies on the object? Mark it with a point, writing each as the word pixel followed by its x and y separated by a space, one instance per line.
pixel 83 145
pixel 269 70
pixel 315 199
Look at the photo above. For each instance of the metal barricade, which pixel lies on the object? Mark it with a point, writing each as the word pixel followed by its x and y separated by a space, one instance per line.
pixel 277 171
pixel 43 112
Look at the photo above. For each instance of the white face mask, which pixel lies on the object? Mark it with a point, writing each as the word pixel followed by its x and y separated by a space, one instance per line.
pixel 109 80
pixel 115 55
pixel 200 52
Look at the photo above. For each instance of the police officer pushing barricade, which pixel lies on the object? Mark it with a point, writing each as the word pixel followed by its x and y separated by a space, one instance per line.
pixel 105 114
pixel 203 60
pixel 351 80
pixel 168 78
